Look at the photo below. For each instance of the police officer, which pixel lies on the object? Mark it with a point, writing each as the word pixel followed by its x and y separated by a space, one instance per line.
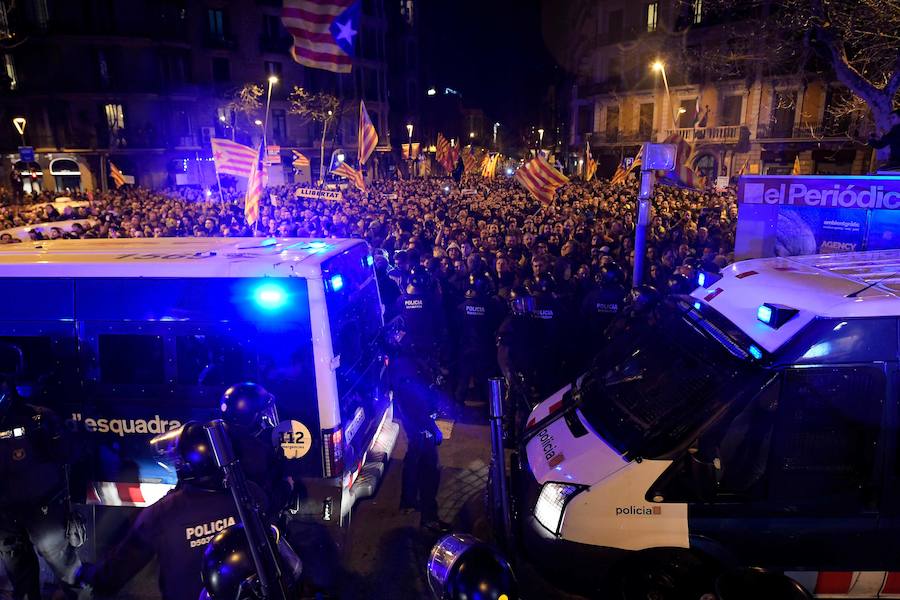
pixel 423 324
pixel 553 367
pixel 409 376
pixel 516 340
pixel 177 528
pixel 251 415
pixel 601 304
pixel 34 507
pixel 478 318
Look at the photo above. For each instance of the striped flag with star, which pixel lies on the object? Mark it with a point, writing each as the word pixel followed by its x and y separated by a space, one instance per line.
pixel 352 175
pixel 255 185
pixel 590 165
pixel 368 137
pixel 300 160
pixel 324 32
pixel 541 179
pixel 681 175
pixel 620 174
pixel 117 176
pixel 232 158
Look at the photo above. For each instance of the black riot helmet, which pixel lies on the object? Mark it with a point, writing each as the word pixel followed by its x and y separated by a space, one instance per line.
pixel 189 449
pixel 12 364
pixel 228 571
pixel 250 406
pixel 479 286
pixel 643 299
pixel 419 281
pixel 521 303
pixel 679 284
pixel 543 283
pixel 611 274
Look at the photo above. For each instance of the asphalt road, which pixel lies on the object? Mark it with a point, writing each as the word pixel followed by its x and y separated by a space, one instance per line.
pixel 386 552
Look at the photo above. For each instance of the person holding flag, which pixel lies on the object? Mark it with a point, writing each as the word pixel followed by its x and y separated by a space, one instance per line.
pixel 255 185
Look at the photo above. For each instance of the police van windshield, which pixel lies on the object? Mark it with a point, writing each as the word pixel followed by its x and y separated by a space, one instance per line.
pixel 663 382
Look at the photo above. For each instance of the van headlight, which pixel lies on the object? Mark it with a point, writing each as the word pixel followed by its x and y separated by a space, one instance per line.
pixel 551 504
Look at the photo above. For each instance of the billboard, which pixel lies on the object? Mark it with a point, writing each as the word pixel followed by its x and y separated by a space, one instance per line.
pixel 784 215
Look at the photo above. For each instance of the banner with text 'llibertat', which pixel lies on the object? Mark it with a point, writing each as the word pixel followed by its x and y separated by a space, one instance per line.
pixel 783 215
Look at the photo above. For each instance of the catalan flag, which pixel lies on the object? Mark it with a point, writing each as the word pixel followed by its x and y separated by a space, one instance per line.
pixel 489 169
pixel 300 160
pixel 368 137
pixel 442 153
pixel 682 175
pixel 255 185
pixel 794 171
pixel 117 176
pixel 541 179
pixel 324 32
pixel 619 176
pixel 590 165
pixel 353 176
pixel 232 158
pixel 425 167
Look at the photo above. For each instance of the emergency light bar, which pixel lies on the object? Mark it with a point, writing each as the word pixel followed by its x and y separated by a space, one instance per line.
pixel 706 279
pixel 775 315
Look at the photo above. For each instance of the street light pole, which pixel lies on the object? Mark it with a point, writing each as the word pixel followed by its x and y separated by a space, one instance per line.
pixel 541 139
pixel 659 66
pixel 496 126
pixel 409 130
pixel 272 81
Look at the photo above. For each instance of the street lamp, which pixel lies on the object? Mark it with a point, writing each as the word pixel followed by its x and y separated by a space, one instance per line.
pixel 431 91
pixel 541 138
pixel 273 79
pixel 409 130
pixel 19 124
pixel 471 135
pixel 659 67
pixel 496 127
pixel 258 123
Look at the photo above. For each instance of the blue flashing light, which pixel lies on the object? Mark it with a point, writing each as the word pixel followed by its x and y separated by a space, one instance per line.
pixel 337 282
pixel 268 242
pixel 697 306
pixel 764 314
pixel 755 352
pixel 270 296
pixel 370 260
pixel 701 279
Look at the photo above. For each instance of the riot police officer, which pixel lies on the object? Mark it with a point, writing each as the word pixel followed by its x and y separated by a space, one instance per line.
pixel 34 502
pixel 478 318
pixel 551 371
pixel 516 342
pixel 601 304
pixel 177 528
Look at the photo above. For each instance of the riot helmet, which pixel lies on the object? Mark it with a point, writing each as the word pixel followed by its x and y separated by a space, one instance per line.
pixel 643 299
pixel 479 286
pixel 679 284
pixel 419 281
pixel 521 303
pixel 542 283
pixel 611 274
pixel 250 406
pixel 189 449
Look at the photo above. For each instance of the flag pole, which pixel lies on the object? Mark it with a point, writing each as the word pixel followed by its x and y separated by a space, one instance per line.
pixel 219 181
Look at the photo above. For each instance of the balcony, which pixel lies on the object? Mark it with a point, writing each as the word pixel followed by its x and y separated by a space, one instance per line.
pixel 220 42
pixel 812 131
pixel 726 134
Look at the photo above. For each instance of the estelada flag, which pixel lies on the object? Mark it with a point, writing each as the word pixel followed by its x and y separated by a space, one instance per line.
pixel 541 179
pixel 324 32
pixel 368 137
pixel 300 160
pixel 353 176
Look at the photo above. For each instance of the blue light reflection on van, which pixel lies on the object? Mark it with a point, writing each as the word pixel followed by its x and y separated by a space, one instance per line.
pixel 337 282
pixel 270 296
pixel 755 352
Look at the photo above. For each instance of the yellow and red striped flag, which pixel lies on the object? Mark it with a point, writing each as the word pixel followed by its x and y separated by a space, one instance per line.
pixel 353 176
pixel 442 153
pixel 681 175
pixel 232 158
pixel 490 166
pixel 590 165
pixel 300 160
pixel 368 137
pixel 541 179
pixel 324 32
pixel 255 185
pixel 117 176
pixel 620 174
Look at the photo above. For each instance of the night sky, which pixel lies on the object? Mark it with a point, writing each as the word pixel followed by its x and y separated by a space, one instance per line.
pixel 493 52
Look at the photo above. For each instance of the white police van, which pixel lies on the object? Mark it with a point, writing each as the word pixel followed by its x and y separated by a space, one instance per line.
pixel 130 338
pixel 753 423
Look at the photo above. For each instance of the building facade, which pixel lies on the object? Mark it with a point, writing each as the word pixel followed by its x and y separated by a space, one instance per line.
pixel 636 82
pixel 147 83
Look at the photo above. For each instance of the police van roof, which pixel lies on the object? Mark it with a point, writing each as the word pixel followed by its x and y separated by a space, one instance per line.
pixel 171 257
pixel 823 285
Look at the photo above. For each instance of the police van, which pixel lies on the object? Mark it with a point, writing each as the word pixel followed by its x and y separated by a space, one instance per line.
pixel 752 423
pixel 126 339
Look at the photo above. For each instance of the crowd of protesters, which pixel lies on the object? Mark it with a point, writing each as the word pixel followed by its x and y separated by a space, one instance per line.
pixel 492 229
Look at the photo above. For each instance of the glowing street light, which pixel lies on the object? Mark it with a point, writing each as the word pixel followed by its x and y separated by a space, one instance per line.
pixel 471 135
pixel 258 123
pixel 660 67
pixel 541 137
pixel 431 91
pixel 273 79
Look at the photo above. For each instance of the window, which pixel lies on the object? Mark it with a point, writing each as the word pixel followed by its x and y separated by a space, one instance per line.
pixel 216 23
pixel 687 113
pixel 645 122
pixel 132 359
pixel 652 15
pixel 698 11
pixel 731 110
pixel 586 118
pixel 271 26
pixel 49 363
pixel 614 27
pixel 212 360
pixel 221 70
pixel 279 125
pixel 612 123
pixel 784 105
pixel 181 124
pixel 115 118
pixel 10 69
pixel 102 68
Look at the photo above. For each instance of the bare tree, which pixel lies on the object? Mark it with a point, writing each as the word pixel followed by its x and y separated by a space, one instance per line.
pixel 321 108
pixel 245 103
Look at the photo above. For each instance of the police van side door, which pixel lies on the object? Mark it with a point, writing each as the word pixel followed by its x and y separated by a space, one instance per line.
pixel 802 491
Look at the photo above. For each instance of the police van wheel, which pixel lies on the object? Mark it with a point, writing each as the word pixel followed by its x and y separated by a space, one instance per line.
pixel 663 576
